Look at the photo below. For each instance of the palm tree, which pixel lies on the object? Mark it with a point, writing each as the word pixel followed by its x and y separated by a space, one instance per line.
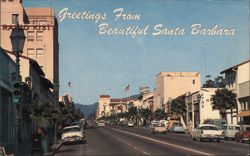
pixel 223 100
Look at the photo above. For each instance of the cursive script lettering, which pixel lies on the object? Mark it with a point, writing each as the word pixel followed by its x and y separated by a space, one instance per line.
pixel 86 15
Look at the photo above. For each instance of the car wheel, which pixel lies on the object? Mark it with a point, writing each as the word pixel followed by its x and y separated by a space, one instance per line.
pixel 199 139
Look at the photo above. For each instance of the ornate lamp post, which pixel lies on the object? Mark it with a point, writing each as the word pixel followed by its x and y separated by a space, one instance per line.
pixel 17 40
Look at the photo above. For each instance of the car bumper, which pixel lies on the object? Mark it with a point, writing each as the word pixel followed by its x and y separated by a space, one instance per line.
pixel 73 139
pixel 211 137
pixel 179 131
pixel 245 139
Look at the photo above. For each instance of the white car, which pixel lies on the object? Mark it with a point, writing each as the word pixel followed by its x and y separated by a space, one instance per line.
pixel 101 124
pixel 73 134
pixel 130 124
pixel 206 132
pixel 230 130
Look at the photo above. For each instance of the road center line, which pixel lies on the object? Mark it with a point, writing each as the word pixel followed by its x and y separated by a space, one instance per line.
pixel 130 145
pixel 162 142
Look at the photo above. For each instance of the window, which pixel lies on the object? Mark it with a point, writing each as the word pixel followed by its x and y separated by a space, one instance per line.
pixel 39 36
pixel 207 100
pixel 30 36
pixel 39 52
pixel 40 56
pixel 35 22
pixel 15 18
pixel 43 22
pixel 10 0
pixel 193 81
pixel 31 53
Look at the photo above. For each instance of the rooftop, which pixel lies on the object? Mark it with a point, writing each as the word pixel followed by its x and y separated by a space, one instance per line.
pixel 234 67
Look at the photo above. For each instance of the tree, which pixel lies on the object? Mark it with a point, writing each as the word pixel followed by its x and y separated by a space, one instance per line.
pixel 159 114
pixel 145 113
pixel 132 112
pixel 223 100
pixel 208 84
pixel 218 82
pixel 178 106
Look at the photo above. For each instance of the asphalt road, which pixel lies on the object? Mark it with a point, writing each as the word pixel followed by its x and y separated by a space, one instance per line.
pixel 137 141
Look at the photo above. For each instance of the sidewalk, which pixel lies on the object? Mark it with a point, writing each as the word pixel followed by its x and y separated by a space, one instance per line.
pixel 25 149
pixel 54 148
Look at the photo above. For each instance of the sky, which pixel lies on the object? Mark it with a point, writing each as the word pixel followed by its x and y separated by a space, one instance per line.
pixel 97 63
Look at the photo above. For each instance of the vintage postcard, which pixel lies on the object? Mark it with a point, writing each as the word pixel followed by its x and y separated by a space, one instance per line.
pixel 103 77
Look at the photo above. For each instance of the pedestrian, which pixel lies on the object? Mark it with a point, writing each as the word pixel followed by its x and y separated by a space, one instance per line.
pixel 85 125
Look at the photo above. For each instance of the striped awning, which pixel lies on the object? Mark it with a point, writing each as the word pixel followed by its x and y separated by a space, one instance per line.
pixel 244 114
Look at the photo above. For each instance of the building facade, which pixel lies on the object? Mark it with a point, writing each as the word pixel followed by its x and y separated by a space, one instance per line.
pixel 237 79
pixel 108 106
pixel 7 109
pixel 199 107
pixel 41 31
pixel 170 85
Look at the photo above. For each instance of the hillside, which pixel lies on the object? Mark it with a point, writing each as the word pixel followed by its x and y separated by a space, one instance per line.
pixel 87 109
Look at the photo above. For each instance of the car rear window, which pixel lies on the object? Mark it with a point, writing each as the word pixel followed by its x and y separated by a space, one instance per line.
pixel 71 129
pixel 208 128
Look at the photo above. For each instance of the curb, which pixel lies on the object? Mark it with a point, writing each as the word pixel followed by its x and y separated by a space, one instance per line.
pixel 54 150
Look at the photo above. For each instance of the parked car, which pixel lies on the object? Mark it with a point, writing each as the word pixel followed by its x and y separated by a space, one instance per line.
pixel 160 128
pixel 243 135
pixel 206 132
pixel 130 124
pixel 170 124
pixel 73 134
pixel 177 128
pixel 101 124
pixel 229 131
pixel 154 122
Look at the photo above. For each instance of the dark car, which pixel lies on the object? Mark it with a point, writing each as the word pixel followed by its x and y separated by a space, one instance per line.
pixel 243 135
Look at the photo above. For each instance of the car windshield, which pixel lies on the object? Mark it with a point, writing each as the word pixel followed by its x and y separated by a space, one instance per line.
pixel 224 127
pixel 208 128
pixel 177 124
pixel 233 128
pixel 73 129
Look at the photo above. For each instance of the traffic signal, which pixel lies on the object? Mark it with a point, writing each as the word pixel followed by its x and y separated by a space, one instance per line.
pixel 17 92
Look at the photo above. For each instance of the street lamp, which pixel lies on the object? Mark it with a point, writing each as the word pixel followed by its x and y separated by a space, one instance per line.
pixel 17 38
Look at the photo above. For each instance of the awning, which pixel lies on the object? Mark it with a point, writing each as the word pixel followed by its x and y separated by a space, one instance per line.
pixel 244 114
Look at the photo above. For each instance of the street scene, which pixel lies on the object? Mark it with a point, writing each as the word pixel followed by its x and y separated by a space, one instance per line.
pixel 116 140
pixel 132 77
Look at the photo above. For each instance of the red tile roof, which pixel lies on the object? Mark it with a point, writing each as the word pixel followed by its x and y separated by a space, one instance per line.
pixel 104 96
